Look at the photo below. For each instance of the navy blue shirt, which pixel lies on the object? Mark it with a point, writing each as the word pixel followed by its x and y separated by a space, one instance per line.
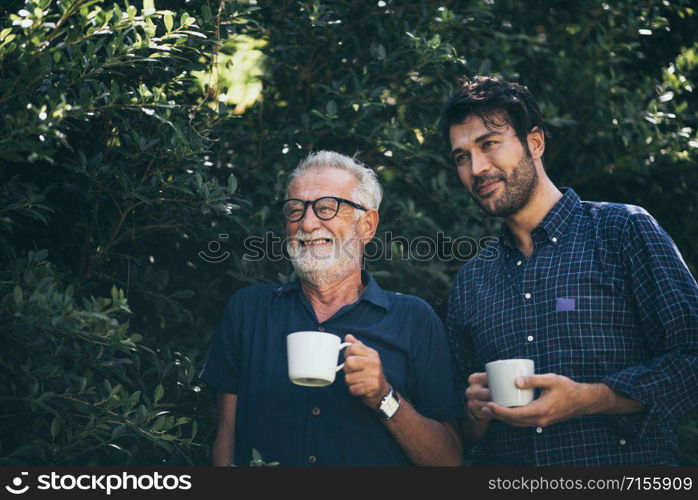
pixel 604 297
pixel 297 425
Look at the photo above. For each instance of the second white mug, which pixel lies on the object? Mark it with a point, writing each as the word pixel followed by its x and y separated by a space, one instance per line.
pixel 501 380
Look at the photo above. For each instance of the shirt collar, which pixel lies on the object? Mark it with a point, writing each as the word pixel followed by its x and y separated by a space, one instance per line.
pixel 554 223
pixel 557 220
pixel 372 292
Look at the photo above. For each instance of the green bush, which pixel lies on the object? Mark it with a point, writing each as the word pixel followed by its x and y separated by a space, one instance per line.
pixel 78 387
pixel 103 146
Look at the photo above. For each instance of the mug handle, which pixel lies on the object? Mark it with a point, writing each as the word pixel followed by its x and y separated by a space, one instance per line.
pixel 342 346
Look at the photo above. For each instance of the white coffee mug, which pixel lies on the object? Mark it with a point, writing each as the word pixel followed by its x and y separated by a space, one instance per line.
pixel 312 358
pixel 501 380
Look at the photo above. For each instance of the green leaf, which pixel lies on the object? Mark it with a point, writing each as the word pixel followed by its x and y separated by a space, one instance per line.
pixel 331 108
pixel 206 13
pixel 119 430
pixel 232 184
pixel 159 392
pixel 195 33
pixel 134 398
pixel 148 7
pixel 8 40
pixel 141 197
pixel 169 21
pixel 158 425
pixel 55 427
pixel 141 414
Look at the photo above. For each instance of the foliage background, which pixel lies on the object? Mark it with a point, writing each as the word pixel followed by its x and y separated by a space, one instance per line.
pixel 135 135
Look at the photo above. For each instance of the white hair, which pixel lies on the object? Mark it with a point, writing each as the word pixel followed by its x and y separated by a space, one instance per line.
pixel 367 192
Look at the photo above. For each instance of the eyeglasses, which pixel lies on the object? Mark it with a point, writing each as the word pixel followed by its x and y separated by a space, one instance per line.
pixel 325 208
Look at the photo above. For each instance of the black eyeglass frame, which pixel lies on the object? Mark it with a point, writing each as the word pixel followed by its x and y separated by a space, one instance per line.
pixel 313 202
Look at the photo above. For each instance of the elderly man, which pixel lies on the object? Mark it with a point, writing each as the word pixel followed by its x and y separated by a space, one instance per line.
pixel 395 404
pixel 596 294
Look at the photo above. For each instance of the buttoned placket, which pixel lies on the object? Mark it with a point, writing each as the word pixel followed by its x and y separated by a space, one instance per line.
pixel 313 412
pixel 517 270
pixel 539 442
pixel 527 297
pixel 529 311
pixel 531 300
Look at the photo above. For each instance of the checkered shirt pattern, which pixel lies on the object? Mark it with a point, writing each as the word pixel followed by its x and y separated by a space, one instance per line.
pixel 604 297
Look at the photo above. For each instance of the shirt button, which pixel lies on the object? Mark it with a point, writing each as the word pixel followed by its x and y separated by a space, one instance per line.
pixel 554 240
pixel 519 263
pixel 315 411
pixel 320 328
pixel 622 441
pixel 530 338
pixel 312 459
pixel 528 295
pixel 539 430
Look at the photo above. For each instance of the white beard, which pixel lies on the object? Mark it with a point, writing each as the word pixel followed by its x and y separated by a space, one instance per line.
pixel 326 263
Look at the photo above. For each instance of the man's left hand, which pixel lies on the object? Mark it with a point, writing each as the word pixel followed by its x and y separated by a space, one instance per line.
pixel 364 373
pixel 562 398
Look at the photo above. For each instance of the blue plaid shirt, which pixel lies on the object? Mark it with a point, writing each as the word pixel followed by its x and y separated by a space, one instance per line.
pixel 604 297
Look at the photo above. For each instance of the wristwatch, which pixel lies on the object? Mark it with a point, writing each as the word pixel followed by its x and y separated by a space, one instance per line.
pixel 389 405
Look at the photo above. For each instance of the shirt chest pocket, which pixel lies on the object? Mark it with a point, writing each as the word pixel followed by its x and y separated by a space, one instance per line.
pixel 591 330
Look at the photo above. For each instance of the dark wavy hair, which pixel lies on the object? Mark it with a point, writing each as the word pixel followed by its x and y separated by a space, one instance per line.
pixel 497 103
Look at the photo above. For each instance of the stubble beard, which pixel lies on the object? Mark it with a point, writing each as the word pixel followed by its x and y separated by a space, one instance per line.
pixel 518 189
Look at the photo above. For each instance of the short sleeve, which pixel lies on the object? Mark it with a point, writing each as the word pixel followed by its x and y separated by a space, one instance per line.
pixel 221 369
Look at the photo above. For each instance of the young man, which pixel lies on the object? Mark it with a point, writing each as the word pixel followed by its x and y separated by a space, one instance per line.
pixel 596 294
pixel 395 404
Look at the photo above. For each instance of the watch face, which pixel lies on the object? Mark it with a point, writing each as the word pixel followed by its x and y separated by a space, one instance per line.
pixel 390 406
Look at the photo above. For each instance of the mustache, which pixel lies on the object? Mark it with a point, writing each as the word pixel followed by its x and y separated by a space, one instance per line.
pixel 479 181
pixel 312 235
